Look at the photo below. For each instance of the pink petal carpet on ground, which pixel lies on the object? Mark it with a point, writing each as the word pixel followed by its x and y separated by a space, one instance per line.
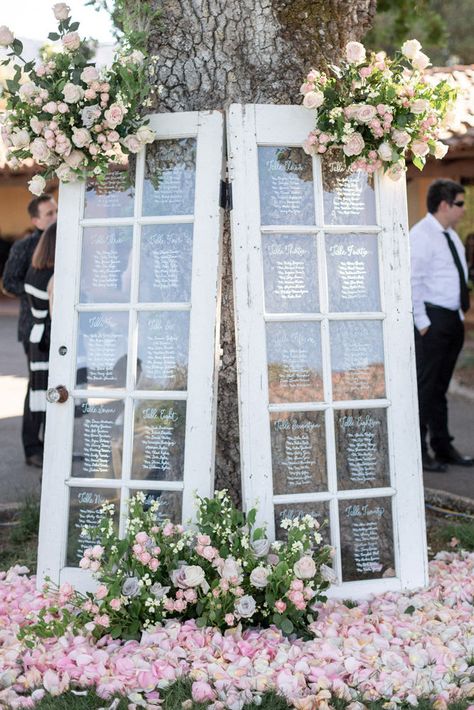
pixel 395 646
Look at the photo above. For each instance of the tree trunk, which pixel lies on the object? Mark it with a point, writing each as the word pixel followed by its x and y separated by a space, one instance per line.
pixel 212 53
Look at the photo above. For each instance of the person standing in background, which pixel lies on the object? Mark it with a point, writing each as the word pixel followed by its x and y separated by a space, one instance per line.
pixel 440 298
pixel 42 211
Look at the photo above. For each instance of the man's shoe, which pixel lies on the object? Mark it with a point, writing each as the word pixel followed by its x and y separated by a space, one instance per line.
pixel 430 464
pixel 454 457
pixel 34 460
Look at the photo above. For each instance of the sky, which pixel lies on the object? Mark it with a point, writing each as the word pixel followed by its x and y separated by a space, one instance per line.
pixel 34 19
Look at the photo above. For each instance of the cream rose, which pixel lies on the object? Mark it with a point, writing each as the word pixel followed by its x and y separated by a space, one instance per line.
pixel 231 570
pixel 28 90
pixel 71 41
pixel 64 173
pixel 39 150
pixel 365 113
pixel 36 126
pixel 145 134
pixel 37 184
pixel 81 137
pixel 354 144
pixel 6 36
pixel 245 606
pixel 355 52
pixel 132 143
pixel 72 93
pixel 89 74
pixel 305 567
pixel 114 115
pixel 385 151
pixel 61 11
pixel 420 61
pixel 309 148
pixel 313 99
pixel 259 577
pixel 440 150
pixel 420 106
pixel 51 107
pixel 20 139
pixel 410 48
pixel 400 138
pixel 188 576
pixel 260 547
pixel 419 148
pixel 75 158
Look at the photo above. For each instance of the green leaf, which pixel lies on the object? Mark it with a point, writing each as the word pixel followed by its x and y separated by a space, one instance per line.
pixel 287 626
pixel 410 610
pixel 73 26
pixel 116 632
pixel 17 46
pixel 201 622
pixel 251 517
pixel 53 36
pixel 418 162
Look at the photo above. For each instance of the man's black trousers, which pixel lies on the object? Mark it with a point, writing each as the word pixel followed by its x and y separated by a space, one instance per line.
pixel 32 424
pixel 436 355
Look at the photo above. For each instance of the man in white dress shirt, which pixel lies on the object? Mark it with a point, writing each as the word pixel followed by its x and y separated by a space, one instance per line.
pixel 440 297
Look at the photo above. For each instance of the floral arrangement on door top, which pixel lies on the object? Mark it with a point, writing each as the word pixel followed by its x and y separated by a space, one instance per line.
pixel 377 110
pixel 68 115
pixel 222 572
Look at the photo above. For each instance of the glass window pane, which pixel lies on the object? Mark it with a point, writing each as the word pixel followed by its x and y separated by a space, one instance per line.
pixel 362 448
pixel 98 438
pixel 290 273
pixel 357 360
pixel 102 350
pixel 114 197
pixel 106 264
pixel 171 504
pixel 349 197
pixel 170 171
pixel 294 362
pixel 286 186
pixel 163 339
pixel 353 272
pixel 298 441
pixel 158 440
pixel 367 548
pixel 294 511
pixel 85 511
pixel 166 263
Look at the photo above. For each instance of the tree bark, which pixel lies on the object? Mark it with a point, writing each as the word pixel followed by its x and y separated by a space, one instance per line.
pixel 212 53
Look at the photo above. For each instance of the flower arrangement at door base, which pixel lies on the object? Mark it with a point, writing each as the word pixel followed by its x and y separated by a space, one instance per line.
pixel 223 573
pixel 377 111
pixel 66 114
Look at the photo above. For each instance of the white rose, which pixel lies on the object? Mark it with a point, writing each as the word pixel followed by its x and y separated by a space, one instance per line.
pixel 20 139
pixel 36 126
pixel 27 90
pixel 89 114
pixel 63 146
pixel 400 138
pixel 440 150
pixel 385 151
pixel 64 173
pixel 132 143
pixel 61 11
pixel 313 99
pixel 37 184
pixel 231 570
pixel 365 113
pixel 71 41
pixel 419 148
pixel 305 567
pixel 145 134
pixel 188 576
pixel 81 137
pixel 420 61
pixel 75 158
pixel 245 606
pixel 419 106
pixel 410 48
pixel 354 144
pixel 355 52
pixel 114 115
pixel 39 150
pixel 72 93
pixel 259 577
pixel 6 36
pixel 89 75
pixel 260 547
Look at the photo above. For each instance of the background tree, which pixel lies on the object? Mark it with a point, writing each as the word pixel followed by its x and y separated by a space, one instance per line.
pixel 215 52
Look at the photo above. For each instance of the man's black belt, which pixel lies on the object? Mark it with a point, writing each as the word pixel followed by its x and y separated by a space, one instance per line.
pixel 440 308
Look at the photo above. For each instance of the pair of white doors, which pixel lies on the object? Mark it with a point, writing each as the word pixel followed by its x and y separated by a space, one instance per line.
pixel 327 397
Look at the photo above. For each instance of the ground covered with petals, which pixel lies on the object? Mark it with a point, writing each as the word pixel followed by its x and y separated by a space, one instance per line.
pixel 397 647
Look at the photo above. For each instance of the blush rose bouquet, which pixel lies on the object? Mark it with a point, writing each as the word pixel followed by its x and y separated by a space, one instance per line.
pixel 378 111
pixel 223 571
pixel 71 117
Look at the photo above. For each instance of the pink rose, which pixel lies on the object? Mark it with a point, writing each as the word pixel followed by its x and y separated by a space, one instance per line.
pixel 355 52
pixel 50 107
pixel 71 41
pixel 313 99
pixel 114 115
pixel 90 94
pixel 115 604
pixel 141 538
pixel 103 620
pixel 63 145
pixel 6 36
pixel 209 552
pixel 365 113
pixel 354 144
pixel 89 74
pixel 365 72
pixel 63 108
pixel 309 147
pixel 420 148
pixel 420 106
pixel 101 592
pixel 153 564
pixel 280 606
pixel 39 150
pixel 145 557
pixel 305 567
pixel 81 137
pixel 132 143
pixel 229 619
pixel 61 11
pixel 400 138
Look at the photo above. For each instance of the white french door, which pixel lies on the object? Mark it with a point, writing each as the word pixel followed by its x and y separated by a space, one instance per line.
pixel 327 388
pixel 134 339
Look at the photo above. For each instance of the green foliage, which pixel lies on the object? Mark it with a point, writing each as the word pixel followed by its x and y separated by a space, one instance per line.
pixel 131 20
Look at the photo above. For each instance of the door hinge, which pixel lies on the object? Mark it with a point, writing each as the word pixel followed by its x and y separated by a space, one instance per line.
pixel 225 197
